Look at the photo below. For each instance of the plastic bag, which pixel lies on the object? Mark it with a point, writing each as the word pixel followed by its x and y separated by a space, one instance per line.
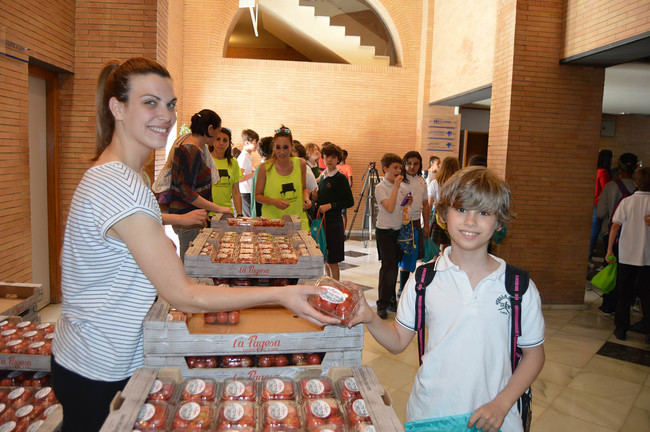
pixel 406 238
pixel 317 230
pixel 457 423
pixel 605 280
pixel 430 250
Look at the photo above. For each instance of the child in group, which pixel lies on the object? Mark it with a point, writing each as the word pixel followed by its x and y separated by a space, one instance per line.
pixel 412 164
pixel 333 195
pixel 226 191
pixel 245 160
pixel 313 157
pixel 633 271
pixel 466 362
pixel 390 193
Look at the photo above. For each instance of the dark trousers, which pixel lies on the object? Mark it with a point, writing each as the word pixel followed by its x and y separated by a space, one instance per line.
pixel 631 281
pixel 85 402
pixel 389 254
pixel 246 204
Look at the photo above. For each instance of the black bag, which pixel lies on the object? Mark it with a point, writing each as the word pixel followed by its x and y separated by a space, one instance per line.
pixel 516 286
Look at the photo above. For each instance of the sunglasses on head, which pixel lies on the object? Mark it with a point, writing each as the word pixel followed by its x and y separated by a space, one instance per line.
pixel 283 130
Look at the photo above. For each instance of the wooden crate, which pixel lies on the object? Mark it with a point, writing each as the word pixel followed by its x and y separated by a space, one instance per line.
pixel 291 223
pixel 25 362
pixel 127 404
pixel 198 265
pixel 20 299
pixel 271 330
pixel 350 358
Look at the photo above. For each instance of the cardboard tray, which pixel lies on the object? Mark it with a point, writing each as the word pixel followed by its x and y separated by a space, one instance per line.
pixel 197 265
pixel 272 330
pixel 127 404
pixel 20 299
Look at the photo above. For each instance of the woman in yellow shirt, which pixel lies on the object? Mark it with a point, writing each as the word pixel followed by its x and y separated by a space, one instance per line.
pixel 280 183
pixel 226 191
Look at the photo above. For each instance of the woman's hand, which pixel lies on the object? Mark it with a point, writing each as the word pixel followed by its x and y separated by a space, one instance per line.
pixel 324 208
pixel 195 217
pixel 296 301
pixel 281 204
pixel 224 210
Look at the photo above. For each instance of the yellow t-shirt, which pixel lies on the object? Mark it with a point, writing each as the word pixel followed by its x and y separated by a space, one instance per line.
pixel 287 188
pixel 228 176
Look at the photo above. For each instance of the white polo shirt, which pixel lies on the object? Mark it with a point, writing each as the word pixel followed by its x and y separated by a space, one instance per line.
pixel 634 242
pixel 386 220
pixel 467 356
pixel 417 185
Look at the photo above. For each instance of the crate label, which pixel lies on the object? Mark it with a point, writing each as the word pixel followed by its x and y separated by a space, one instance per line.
pixel 35 426
pixel 320 408
pixel 278 411
pixel 8 427
pixel 156 387
pixel 235 388
pixel 275 386
pixel 315 386
pixel 16 393
pixel 50 410
pixel 233 412
pixel 189 411
pixel 195 386
pixel 252 270
pixel 24 411
pixel 146 412
pixel 24 361
pixel 42 393
pixel 351 384
pixel 359 407
pixel 333 295
pixel 256 344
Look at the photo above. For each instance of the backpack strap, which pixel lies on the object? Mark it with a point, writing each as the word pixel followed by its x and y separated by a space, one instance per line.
pixel 622 188
pixel 423 277
pixel 516 285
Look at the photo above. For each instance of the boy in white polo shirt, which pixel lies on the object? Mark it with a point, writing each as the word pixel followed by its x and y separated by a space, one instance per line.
pixel 390 194
pixel 249 139
pixel 466 362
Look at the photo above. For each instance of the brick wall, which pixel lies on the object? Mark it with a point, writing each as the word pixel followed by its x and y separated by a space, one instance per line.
pixel 368 110
pixel 544 141
pixel 47 31
pixel 632 136
pixel 591 24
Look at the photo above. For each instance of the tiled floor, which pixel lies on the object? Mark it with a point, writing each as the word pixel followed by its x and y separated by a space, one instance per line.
pixel 578 390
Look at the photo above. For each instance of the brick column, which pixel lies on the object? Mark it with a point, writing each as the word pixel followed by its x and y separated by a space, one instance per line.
pixel 544 135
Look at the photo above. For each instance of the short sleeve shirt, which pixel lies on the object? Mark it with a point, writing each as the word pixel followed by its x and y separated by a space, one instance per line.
pixel 467 357
pixel 245 161
pixel 634 242
pixel 417 185
pixel 386 220
pixel 105 293
pixel 229 175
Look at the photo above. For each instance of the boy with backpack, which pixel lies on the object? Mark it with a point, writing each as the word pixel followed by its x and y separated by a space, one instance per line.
pixel 467 365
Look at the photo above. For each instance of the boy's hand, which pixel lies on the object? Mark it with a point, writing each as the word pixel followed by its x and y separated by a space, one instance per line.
pixel 363 314
pixel 324 208
pixel 489 417
pixel 399 179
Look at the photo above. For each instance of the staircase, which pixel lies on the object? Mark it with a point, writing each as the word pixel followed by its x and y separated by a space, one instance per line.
pixel 313 36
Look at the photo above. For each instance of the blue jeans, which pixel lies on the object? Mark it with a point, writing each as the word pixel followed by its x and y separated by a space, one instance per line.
pixel 596 222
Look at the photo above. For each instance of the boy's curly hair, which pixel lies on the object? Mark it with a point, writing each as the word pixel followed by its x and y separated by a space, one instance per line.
pixel 476 188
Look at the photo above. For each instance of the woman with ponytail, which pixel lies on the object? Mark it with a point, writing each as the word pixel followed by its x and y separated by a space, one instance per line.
pixel 192 176
pixel 226 192
pixel 116 257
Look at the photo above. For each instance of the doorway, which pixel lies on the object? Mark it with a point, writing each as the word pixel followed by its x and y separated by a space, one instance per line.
pixel 42 91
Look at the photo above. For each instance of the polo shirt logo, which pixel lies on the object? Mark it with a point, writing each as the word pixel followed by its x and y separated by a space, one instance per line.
pixel 503 304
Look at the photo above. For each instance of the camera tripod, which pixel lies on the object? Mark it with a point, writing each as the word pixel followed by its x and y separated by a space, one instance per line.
pixel 370 179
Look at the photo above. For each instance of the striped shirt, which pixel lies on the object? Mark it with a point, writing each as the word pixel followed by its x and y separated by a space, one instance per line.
pixel 105 294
